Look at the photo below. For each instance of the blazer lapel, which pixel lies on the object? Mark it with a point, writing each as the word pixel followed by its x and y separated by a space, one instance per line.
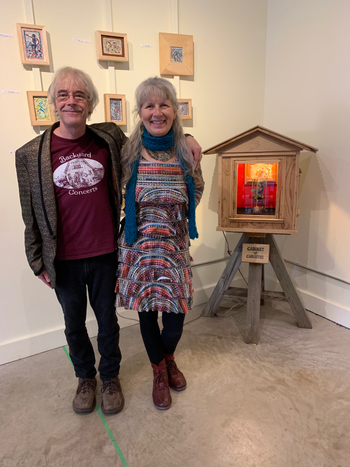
pixel 45 174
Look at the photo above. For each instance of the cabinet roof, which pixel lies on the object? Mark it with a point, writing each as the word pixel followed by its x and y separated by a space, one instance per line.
pixel 265 140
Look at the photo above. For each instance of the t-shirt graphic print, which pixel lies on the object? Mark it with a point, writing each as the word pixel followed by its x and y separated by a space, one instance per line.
pixel 78 173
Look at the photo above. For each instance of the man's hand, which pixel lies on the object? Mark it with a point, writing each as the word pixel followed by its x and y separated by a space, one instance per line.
pixel 195 148
pixel 45 278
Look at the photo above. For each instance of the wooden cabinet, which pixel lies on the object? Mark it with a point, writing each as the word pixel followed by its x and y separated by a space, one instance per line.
pixel 259 182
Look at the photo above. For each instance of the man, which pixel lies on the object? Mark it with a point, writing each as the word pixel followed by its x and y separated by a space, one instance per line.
pixel 70 191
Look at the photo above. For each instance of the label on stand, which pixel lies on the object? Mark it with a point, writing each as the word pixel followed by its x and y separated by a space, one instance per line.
pixel 255 253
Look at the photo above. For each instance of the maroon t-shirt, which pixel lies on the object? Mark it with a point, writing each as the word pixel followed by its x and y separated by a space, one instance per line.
pixel 80 175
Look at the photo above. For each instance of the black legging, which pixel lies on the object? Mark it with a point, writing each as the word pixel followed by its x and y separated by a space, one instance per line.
pixel 160 343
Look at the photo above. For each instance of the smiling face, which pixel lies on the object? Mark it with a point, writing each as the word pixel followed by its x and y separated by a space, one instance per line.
pixel 157 114
pixel 73 113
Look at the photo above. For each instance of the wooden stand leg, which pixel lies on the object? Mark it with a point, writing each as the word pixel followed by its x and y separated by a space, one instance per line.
pixel 262 301
pixel 253 303
pixel 226 279
pixel 288 288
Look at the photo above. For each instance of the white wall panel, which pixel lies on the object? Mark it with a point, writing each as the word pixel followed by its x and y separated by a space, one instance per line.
pixel 227 91
pixel 307 97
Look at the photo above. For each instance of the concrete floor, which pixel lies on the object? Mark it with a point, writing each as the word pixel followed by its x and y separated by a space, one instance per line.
pixel 282 403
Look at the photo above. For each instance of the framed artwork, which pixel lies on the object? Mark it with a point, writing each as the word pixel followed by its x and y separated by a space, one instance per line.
pixel 115 109
pixel 112 46
pixel 41 111
pixel 175 54
pixel 33 44
pixel 267 171
pixel 185 109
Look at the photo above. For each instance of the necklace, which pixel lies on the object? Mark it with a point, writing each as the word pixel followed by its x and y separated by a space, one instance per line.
pixel 162 156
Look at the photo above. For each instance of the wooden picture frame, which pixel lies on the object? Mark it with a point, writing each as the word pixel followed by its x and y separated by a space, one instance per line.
pixel 185 109
pixel 175 54
pixel 115 108
pixel 33 44
pixel 112 46
pixel 41 112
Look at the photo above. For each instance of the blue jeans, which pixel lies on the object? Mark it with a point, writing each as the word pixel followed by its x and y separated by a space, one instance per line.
pixel 98 275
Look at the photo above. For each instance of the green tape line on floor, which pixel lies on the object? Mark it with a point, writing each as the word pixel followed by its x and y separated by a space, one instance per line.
pixel 105 424
pixel 66 352
pixel 115 444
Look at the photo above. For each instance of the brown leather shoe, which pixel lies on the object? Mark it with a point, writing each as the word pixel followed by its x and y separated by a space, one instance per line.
pixel 85 400
pixel 112 397
pixel 161 394
pixel 176 378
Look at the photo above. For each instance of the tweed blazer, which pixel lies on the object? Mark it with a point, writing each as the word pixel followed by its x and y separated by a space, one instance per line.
pixel 37 194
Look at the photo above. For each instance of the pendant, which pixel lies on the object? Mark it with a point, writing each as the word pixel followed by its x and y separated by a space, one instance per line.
pixel 162 156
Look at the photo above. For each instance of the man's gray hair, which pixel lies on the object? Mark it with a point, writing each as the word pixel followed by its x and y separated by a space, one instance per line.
pixel 78 77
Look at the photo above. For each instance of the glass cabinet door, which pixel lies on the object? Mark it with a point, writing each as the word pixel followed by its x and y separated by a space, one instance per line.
pixel 257 188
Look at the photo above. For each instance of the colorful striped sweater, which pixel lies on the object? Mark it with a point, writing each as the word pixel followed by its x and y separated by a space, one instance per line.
pixel 154 272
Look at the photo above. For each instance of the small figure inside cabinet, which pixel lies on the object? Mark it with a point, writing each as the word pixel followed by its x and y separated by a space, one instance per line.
pixel 259 182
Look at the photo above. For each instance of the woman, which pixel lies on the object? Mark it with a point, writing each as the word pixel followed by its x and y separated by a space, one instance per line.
pixel 162 191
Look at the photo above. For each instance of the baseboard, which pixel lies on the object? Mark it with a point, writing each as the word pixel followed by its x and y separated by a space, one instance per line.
pixel 31 345
pixel 52 339
pixel 49 340
pixel 332 311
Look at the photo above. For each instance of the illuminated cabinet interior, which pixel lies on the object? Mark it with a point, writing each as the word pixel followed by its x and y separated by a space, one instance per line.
pixel 257 188
pixel 259 182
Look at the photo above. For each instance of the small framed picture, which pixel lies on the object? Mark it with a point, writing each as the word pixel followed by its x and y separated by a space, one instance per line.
pixel 112 46
pixel 33 44
pixel 267 171
pixel 41 111
pixel 175 54
pixel 185 109
pixel 115 108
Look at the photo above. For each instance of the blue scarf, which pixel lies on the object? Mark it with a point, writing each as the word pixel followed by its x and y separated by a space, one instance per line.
pixel 154 143
pixel 161 143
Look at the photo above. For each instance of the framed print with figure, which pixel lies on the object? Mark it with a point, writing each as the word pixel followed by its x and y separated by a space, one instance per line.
pixel 185 109
pixel 115 108
pixel 41 111
pixel 33 44
pixel 112 46
pixel 175 54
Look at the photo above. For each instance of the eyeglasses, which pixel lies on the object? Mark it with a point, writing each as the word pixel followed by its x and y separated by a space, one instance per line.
pixel 63 96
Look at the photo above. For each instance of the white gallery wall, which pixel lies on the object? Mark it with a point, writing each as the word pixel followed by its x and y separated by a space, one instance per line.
pixel 307 97
pixel 227 92
pixel 278 63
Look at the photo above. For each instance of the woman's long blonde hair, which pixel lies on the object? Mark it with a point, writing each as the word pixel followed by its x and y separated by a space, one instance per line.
pixel 132 149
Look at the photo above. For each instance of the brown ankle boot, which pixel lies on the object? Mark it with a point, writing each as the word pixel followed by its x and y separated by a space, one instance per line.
pixel 112 397
pixel 177 380
pixel 84 400
pixel 161 394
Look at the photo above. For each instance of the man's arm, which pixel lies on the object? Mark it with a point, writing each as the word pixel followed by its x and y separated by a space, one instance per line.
pixel 199 184
pixel 32 235
pixel 195 149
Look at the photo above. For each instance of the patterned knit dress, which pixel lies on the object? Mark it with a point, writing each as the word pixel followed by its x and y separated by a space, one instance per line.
pixel 154 273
